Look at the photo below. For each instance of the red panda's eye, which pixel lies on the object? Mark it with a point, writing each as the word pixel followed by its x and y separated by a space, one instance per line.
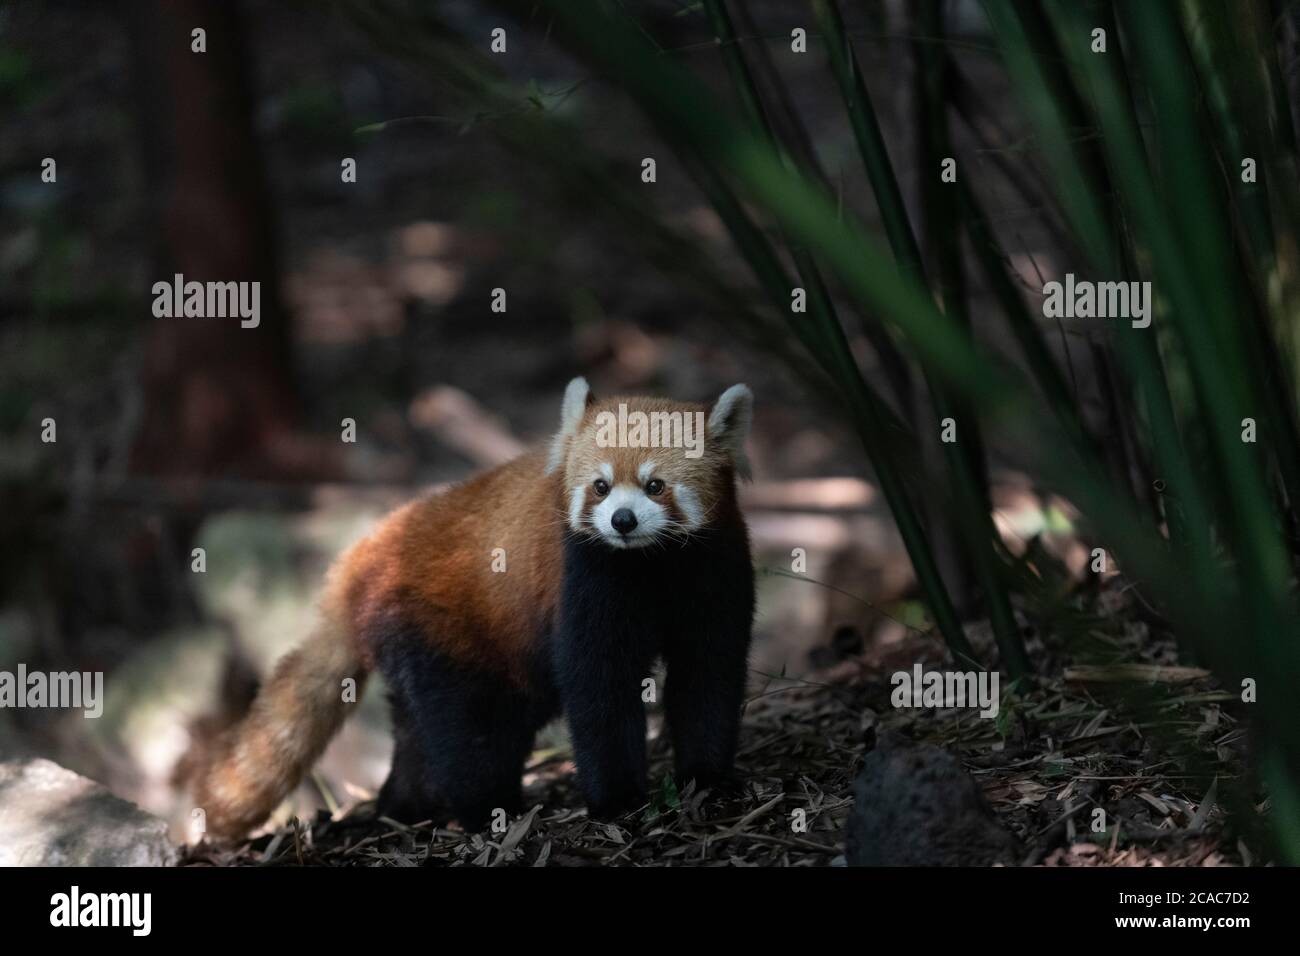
pixel 601 486
pixel 655 487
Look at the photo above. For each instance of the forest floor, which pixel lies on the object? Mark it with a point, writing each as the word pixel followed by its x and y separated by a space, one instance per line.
pixel 1152 746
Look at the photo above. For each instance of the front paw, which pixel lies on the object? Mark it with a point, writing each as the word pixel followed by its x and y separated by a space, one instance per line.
pixel 614 804
pixel 720 783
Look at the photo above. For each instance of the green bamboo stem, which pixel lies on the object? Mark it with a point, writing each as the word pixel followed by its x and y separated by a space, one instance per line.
pixel 1210 32
pixel 844 368
pixel 941 208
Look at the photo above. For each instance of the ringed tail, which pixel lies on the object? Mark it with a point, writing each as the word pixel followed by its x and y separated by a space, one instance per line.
pixel 295 715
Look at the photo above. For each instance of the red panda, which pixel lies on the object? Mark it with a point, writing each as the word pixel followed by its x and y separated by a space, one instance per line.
pixel 547 585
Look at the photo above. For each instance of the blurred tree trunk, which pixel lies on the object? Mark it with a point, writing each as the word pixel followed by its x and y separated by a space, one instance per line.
pixel 218 398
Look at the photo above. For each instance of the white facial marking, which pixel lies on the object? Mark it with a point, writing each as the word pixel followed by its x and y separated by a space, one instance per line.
pixel 689 504
pixel 646 470
pixel 576 501
pixel 650 517
pixel 607 472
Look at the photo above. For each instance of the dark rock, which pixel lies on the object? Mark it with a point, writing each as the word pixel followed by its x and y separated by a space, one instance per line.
pixel 914 805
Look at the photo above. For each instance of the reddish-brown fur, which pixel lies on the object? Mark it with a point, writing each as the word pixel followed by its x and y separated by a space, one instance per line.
pixel 431 562
pixel 428 566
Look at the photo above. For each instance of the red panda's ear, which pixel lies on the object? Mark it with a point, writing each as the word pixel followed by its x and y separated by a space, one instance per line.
pixel 577 396
pixel 729 421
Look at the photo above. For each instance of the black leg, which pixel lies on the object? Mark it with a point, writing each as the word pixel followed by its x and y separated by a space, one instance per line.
pixel 601 691
pixel 707 658
pixel 465 739
pixel 702 698
pixel 408 795
pixel 602 651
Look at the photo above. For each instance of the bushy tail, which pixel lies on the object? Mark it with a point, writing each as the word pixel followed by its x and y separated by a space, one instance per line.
pixel 294 716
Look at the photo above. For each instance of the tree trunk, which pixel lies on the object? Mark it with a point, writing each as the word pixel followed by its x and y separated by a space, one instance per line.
pixel 218 398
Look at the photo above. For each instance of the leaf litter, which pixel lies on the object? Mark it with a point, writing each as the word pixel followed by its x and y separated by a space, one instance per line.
pixel 1122 761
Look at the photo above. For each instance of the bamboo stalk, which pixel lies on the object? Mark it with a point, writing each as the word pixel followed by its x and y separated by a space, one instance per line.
pixel 839 361
pixel 966 461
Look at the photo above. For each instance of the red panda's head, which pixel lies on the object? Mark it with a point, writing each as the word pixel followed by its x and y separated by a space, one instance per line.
pixel 638 470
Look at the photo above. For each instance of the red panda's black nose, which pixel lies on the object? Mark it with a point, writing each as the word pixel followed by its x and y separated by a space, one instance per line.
pixel 623 520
